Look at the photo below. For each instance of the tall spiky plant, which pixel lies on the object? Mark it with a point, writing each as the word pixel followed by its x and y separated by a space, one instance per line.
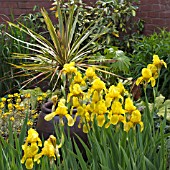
pixel 47 58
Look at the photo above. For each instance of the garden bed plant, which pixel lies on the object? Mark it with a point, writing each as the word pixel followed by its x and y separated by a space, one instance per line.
pixel 115 139
pixel 143 48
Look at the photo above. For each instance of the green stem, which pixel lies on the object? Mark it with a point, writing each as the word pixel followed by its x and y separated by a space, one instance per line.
pixel 149 115
pixel 157 85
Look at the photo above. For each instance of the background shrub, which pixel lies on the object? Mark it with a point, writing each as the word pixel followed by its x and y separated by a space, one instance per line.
pixel 145 48
pixel 115 15
pixel 8 74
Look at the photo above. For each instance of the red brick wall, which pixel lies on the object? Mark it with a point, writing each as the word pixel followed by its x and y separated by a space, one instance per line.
pixel 155 13
pixel 18 7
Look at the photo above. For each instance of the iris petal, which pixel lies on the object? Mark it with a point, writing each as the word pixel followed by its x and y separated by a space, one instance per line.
pixel 139 80
pixel 49 116
pixel 70 120
pixel 29 163
pixel 100 120
pixel 141 126
pixel 114 119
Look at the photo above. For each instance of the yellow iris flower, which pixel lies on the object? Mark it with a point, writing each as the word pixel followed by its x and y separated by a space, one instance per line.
pixel 96 96
pixel 121 88
pixel 98 85
pixel 29 152
pixel 153 69
pixel 100 107
pixel 48 149
pixel 129 107
pixel 100 110
pixel 78 79
pixel 157 62
pixel 113 94
pixel 114 119
pixel 90 73
pixel 127 126
pixel 117 108
pixel 135 119
pixel 30 148
pixel 136 116
pixel 86 128
pixel 115 115
pixel 146 73
pixel 150 73
pixel 61 110
pixel 76 102
pixel 33 136
pixel 146 77
pixel 75 90
pixel 100 120
pixel 69 68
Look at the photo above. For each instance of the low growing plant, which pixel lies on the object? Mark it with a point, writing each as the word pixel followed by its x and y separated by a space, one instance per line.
pixel 15 107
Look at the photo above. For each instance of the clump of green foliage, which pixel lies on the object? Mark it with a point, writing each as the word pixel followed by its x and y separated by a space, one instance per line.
pixel 8 79
pixel 115 15
pixel 145 48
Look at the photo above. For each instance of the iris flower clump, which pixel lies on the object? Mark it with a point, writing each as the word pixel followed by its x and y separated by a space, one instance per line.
pixel 33 151
pixel 91 98
pixel 151 73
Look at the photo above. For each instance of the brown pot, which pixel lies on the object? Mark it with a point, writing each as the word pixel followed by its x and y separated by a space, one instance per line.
pixel 46 128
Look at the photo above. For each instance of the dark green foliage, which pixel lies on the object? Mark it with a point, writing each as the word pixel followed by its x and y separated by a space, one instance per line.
pixel 8 78
pixel 143 51
pixel 114 149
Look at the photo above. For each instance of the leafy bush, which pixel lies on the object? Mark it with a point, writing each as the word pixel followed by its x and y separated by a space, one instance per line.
pixel 115 15
pixel 117 62
pixel 145 48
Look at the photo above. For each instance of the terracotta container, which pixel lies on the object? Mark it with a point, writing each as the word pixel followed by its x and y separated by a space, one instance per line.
pixel 46 128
